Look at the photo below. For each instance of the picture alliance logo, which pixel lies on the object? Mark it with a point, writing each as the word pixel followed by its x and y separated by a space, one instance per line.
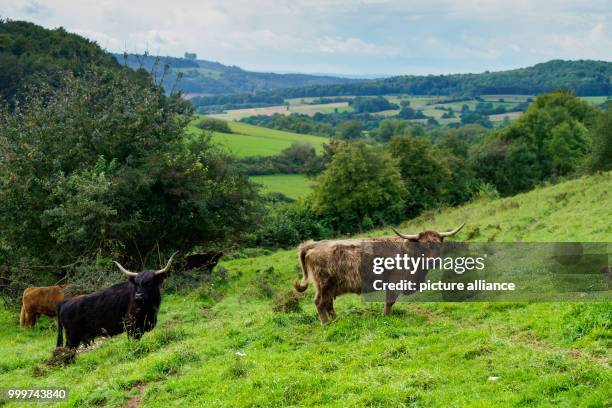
pixel 412 265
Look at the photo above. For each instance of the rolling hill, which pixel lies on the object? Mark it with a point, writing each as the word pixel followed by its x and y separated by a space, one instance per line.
pixel 30 53
pixel 584 77
pixel 223 344
pixel 208 77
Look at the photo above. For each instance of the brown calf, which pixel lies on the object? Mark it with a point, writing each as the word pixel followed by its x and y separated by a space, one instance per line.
pixel 37 301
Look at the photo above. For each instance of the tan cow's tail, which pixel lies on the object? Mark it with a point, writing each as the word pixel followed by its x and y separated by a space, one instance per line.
pixel 22 316
pixel 302 251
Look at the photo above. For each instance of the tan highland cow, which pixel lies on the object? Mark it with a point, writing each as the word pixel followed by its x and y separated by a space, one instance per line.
pixel 333 266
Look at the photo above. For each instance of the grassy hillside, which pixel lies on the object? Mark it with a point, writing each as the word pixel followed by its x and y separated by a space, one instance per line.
pixel 223 345
pixel 249 140
pixel 292 185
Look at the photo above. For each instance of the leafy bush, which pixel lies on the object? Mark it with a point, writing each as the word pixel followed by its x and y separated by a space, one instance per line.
pixel 601 158
pixel 350 130
pixel 363 104
pixel 389 128
pixel 290 224
pixel 424 174
pixel 408 113
pixel 296 159
pixel 100 165
pixel 360 182
pixel 214 125
pixel 552 139
pixel 32 53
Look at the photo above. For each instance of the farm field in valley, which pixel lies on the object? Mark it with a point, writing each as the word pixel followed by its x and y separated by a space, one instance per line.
pixel 427 104
pixel 224 344
pixel 502 116
pixel 249 140
pixel 292 185
pixel 305 109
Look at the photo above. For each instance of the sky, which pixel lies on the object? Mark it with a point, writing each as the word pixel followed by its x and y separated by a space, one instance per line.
pixel 359 37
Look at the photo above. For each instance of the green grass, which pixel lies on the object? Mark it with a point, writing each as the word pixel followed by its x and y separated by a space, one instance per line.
pixel 211 73
pixel 595 100
pixel 292 185
pixel 249 140
pixel 423 354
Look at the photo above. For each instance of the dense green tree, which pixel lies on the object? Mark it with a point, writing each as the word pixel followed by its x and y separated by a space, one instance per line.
pixel 569 144
pixel 363 104
pixel 350 130
pixel 30 53
pixel 408 113
pixel 99 164
pixel 424 172
pixel 601 158
pixel 389 128
pixel 214 125
pixel 475 118
pixel 551 139
pixel 459 140
pixel 361 187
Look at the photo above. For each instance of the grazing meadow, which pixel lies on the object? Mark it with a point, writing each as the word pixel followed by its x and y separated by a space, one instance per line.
pixel 292 185
pixel 250 140
pixel 244 338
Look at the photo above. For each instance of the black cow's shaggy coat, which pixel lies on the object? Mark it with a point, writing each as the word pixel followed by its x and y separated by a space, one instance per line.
pixel 131 306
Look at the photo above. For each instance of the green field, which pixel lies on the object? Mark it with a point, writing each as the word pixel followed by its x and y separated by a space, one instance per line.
pixel 211 73
pixel 223 345
pixel 249 140
pixel 595 100
pixel 304 109
pixel 292 185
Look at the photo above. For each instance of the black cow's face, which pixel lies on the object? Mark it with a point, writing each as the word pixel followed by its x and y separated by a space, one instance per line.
pixel 146 284
pixel 147 287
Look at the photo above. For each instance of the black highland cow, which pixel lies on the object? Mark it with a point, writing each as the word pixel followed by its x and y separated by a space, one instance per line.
pixel 131 306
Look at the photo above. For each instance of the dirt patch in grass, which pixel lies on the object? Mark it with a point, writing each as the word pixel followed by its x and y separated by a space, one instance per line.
pixel 136 400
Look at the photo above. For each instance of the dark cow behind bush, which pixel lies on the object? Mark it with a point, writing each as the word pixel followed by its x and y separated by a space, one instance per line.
pixel 130 306
pixel 206 260
pixel 334 267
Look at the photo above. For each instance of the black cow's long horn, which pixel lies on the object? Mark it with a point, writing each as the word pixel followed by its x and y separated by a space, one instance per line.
pixel 167 267
pixel 453 232
pixel 125 271
pixel 405 236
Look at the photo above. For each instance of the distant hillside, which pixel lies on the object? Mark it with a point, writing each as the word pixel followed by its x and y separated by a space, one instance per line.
pixel 207 77
pixel 29 51
pixel 584 77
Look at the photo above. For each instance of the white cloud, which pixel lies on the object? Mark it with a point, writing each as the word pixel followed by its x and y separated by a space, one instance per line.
pixel 354 36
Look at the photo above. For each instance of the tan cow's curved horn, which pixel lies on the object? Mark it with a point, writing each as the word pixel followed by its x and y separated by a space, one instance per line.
pixel 405 236
pixel 453 232
pixel 125 271
pixel 167 267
